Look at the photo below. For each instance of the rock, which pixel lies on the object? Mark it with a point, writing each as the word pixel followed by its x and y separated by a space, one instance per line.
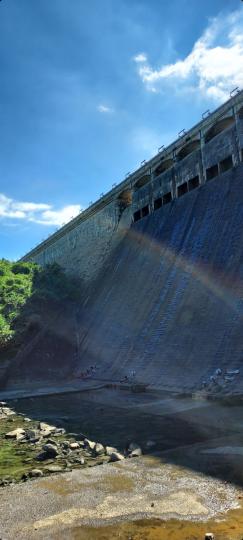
pixel 32 434
pixel 89 444
pixel 27 419
pixel 46 427
pixel 80 461
pixel 74 446
pixel 116 456
pixel 35 473
pixel 17 434
pixel 59 431
pixel 6 481
pixel 53 469
pixel 3 403
pixel 110 450
pixel 7 411
pixel 42 456
pixel 99 449
pixel 65 444
pixel 134 450
pixel 51 441
pixel 136 453
pixel 51 450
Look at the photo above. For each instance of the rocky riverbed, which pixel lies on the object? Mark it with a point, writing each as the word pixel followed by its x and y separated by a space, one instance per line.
pixel 30 449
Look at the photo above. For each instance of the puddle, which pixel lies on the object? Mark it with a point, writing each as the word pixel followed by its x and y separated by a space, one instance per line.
pixel 229 529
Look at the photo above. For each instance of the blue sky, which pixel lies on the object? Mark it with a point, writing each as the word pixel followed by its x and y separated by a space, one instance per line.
pixel 90 89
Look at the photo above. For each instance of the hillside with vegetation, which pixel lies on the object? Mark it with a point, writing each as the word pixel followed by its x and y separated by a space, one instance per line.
pixel 29 294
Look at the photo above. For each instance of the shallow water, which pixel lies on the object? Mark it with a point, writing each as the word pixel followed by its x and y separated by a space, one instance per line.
pixel 229 529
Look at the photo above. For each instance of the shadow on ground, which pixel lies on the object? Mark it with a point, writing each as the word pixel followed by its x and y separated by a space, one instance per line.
pixel 200 435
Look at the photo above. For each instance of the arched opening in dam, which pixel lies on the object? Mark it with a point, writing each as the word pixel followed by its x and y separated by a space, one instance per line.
pixel 188 149
pixel 218 127
pixel 164 166
pixel 142 181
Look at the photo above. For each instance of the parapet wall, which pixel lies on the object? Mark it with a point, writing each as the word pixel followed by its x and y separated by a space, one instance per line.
pixel 210 148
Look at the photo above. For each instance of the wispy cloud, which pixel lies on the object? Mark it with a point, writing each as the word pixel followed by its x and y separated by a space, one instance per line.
pixel 213 67
pixel 104 109
pixel 44 214
pixel 140 58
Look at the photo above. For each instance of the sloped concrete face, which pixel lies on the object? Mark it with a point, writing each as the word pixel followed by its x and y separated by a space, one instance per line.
pixel 170 303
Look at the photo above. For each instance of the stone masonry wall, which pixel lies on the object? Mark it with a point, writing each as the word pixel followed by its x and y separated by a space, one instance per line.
pixel 83 250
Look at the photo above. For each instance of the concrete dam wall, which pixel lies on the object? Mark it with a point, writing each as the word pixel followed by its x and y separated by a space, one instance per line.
pixel 161 255
pixel 170 306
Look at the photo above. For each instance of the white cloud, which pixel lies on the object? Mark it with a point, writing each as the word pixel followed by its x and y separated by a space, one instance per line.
pixel 43 214
pixel 140 58
pixel 104 109
pixel 213 67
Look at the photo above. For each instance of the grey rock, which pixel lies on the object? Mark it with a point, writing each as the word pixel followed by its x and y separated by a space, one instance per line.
pixel 46 427
pixel 116 456
pixel 65 444
pixel 15 434
pixel 59 431
pixel 74 446
pixel 42 456
pixel 134 450
pixel 110 450
pixel 136 453
pixel 53 468
pixel 32 434
pixel 51 450
pixel 35 473
pixel 99 449
pixel 89 444
pixel 51 441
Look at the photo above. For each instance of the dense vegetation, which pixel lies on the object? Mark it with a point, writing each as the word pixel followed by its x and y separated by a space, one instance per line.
pixel 27 291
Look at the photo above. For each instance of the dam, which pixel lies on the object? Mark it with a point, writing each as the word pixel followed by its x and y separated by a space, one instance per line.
pixel 160 257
